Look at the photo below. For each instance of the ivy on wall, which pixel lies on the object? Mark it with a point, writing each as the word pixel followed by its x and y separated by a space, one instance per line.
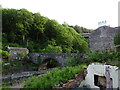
pixel 117 42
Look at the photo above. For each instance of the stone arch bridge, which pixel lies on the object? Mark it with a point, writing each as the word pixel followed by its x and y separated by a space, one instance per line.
pixel 59 57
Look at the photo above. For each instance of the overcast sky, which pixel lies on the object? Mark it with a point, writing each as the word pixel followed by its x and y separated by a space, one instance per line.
pixel 86 13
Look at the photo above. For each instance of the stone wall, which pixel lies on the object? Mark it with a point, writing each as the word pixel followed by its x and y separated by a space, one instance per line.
pixel 17 53
pixel 60 57
pixel 103 38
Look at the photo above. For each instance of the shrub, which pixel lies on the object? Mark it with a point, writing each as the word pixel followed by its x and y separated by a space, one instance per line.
pixel 73 61
pixel 6 65
pixel 22 54
pixel 4 54
pixel 13 45
pixel 103 57
pixel 51 63
pixel 52 49
pixel 50 79
pixel 39 60
pixel 117 39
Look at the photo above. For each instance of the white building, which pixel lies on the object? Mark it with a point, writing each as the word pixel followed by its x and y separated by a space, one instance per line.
pixel 96 77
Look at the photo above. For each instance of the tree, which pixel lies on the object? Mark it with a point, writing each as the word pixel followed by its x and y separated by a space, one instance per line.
pixel 52 49
pixel 9 20
pixel 25 20
pixel 78 29
pixel 38 28
pixel 52 29
pixel 81 29
pixel 38 33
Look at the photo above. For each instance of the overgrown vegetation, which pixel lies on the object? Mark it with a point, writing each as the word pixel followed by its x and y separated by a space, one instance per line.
pixel 112 58
pixel 22 55
pixel 4 54
pixel 51 63
pixel 5 88
pixel 50 79
pixel 81 29
pixel 39 60
pixel 117 42
pixel 7 65
pixel 117 39
pixel 22 28
pixel 14 66
pixel 73 61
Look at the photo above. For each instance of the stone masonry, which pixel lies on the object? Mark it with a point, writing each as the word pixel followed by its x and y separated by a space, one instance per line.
pixel 60 57
pixel 102 38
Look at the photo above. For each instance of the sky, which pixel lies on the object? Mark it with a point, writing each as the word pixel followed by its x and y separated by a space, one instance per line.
pixel 85 13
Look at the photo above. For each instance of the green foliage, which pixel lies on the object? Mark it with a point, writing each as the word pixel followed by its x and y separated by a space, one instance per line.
pixel 51 63
pixel 4 54
pixel 5 88
pixel 15 66
pixel 104 57
pixel 13 45
pixel 52 49
pixel 80 45
pixel 50 79
pixel 4 38
pixel 22 54
pixel 73 61
pixel 39 60
pixel 117 41
pixel 39 34
pixel 8 64
pixel 82 29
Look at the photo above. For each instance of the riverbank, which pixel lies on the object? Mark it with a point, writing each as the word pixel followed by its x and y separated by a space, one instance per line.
pixel 17 79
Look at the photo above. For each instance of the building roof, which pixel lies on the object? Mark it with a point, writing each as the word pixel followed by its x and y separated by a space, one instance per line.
pixel 17 48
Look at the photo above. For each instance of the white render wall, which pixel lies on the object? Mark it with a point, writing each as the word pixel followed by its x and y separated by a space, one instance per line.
pixel 99 69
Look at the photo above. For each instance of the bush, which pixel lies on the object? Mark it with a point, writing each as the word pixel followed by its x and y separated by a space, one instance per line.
pixel 73 61
pixel 22 55
pixel 13 45
pixel 50 79
pixel 4 54
pixel 103 57
pixel 52 49
pixel 51 63
pixel 6 65
pixel 39 60
pixel 117 39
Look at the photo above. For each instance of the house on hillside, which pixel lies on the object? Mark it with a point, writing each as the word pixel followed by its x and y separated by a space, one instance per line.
pixel 102 38
pixel 17 53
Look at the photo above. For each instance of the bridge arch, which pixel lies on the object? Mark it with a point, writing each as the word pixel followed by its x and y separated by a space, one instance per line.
pixel 59 57
pixel 51 62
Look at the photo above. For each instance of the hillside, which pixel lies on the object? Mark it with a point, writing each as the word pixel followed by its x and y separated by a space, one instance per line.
pixel 22 28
